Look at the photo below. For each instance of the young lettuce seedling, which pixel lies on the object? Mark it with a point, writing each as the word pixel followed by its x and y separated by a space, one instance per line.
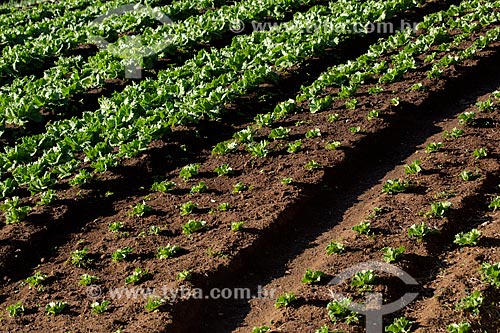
pixel 467 175
pixel 285 300
pixel 16 309
pixel 223 148
pixel 13 212
pixel 351 104
pixel 312 165
pixel 224 170
pixel 470 238
pixel 455 133
pixel 393 186
pixel 240 187
pixel 338 311
pixel 87 279
pixel 471 303
pixel 116 226
pixel 36 280
pixel 237 226
pixel 433 147
pixel 245 135
pixel 80 258
pixel 491 274
pixel 313 133
pixel 100 307
pixel 467 118
pixel 286 181
pixel 363 280
pixel 439 209
pixel 334 145
pixel 419 231
pixel 47 198
pixel 355 129
pixel 201 187
pixel 495 203
pixel 323 329
pixel 188 208
pixel 413 167
pixel 373 114
pixel 193 226
pixel 164 186
pixel 486 106
pixel 294 147
pixel 224 207
pixel 363 228
pixel 261 329
pixel 121 254
pixel 335 248
pixel 312 277
pixel 279 133
pixel 258 149
pixel 137 276
pixel 463 327
pixel 189 171
pixel 480 153
pixel 140 209
pixel 333 117
pixel 391 254
pixel 184 275
pixel 399 325
pixel 55 308
pixel 154 303
pixel 168 251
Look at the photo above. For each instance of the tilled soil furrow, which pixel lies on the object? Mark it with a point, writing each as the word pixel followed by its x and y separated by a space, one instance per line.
pixel 431 262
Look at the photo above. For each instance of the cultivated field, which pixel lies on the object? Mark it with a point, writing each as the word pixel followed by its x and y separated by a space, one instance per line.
pixel 216 166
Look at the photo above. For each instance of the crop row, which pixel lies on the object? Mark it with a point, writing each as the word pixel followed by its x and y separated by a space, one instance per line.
pixel 26 97
pixel 46 39
pixel 11 15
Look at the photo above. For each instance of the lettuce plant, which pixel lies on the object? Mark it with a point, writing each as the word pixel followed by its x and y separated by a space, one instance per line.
pixel 16 309
pixel 80 258
pixel 312 277
pixel 237 226
pixel 294 147
pixel 87 279
pixel 36 280
pixel 470 238
pixel 188 208
pixel 138 275
pixel 122 254
pixel 193 226
pixel 224 170
pixel 201 187
pixel 189 171
pixel 154 303
pixel 335 248
pixel 100 307
pixel 285 300
pixel 391 254
pixel 55 308
pixel 168 251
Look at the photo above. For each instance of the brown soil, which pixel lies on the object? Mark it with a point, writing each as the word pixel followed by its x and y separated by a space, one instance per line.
pixel 287 226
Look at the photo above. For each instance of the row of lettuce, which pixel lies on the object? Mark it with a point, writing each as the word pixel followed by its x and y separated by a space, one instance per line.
pixel 24 101
pixel 28 47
